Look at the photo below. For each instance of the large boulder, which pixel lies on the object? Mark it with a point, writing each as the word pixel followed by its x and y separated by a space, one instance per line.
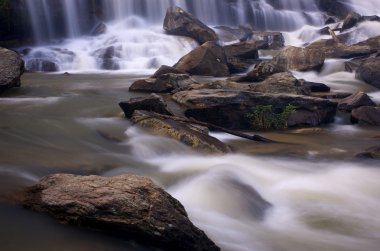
pixel 152 103
pixel 11 69
pixel 188 134
pixel 165 69
pixel 373 43
pixel 299 59
pixel 283 82
pixel 181 23
pixel 208 59
pixel 247 49
pixel 230 108
pixel 162 84
pixel 369 71
pixel 366 115
pixel 41 65
pixel 128 206
pixel 336 8
pixel 333 49
pixel 356 100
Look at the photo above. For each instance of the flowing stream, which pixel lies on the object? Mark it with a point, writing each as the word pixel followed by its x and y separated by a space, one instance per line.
pixel 321 197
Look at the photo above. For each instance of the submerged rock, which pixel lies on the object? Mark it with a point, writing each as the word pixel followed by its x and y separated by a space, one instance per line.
pixel 181 23
pixel 152 103
pixel 370 153
pixel 299 59
pixel 128 206
pixel 11 69
pixel 208 59
pixel 188 134
pixel 230 108
pixel 162 84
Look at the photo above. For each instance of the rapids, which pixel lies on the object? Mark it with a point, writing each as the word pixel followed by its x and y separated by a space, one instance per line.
pixel 321 197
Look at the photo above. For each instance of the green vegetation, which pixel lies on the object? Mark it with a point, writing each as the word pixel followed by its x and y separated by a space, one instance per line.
pixel 264 118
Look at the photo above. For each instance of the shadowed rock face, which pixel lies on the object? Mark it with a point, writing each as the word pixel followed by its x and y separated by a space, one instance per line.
pixel 128 206
pixel 369 71
pixel 11 69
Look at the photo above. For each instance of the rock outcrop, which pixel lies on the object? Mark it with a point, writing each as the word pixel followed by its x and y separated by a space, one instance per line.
pixel 128 206
pixel 152 103
pixel 11 69
pixel 181 23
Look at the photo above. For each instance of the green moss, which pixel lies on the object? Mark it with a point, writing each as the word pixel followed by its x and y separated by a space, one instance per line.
pixel 264 118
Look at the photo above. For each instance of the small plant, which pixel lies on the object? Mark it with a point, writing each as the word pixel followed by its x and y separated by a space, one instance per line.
pixel 264 118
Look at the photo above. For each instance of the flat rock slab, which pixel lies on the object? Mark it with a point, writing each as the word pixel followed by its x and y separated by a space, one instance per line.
pixel 128 206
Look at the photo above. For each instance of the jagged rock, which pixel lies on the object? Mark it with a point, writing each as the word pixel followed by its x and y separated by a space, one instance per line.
pixel 164 69
pixel 152 103
pixel 299 59
pixel 41 65
pixel 351 20
pixel 11 69
pixel 259 73
pixel 366 115
pixel 283 82
pixel 275 40
pixel 370 153
pixel 369 71
pixel 356 100
pixel 229 108
pixel 186 133
pixel 332 49
pixel 163 83
pixel 208 59
pixel 181 23
pixel 128 206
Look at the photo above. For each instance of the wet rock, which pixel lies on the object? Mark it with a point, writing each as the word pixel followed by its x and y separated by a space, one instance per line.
pixel 299 59
pixel 100 29
pixel 128 206
pixel 324 31
pixel 366 115
pixel 181 23
pixel 248 50
pixel 152 103
pixel 11 69
pixel 351 20
pixel 331 95
pixel 41 65
pixel 259 73
pixel 239 65
pixel 208 59
pixel 283 82
pixel 217 84
pixel 369 71
pixel 330 20
pixel 164 69
pixel 315 87
pixel 356 100
pixel 370 153
pixel 233 34
pixel 332 49
pixel 108 58
pixel 162 84
pixel 185 133
pixel 335 8
pixel 229 108
pixel 373 43
pixel 275 40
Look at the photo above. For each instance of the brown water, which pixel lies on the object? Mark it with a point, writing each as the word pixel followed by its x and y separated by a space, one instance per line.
pixel 323 199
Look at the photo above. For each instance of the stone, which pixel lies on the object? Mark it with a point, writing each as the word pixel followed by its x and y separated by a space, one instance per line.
pixel 366 115
pixel 275 40
pixel 233 34
pixel 351 20
pixel 239 65
pixel 369 71
pixel 332 49
pixel 248 50
pixel 283 82
pixel 370 153
pixel 164 83
pixel 229 108
pixel 208 59
pixel 259 73
pixel 11 69
pixel 356 100
pixel 152 103
pixel 181 23
pixel 99 29
pixel 185 133
pixel 315 87
pixel 41 65
pixel 373 43
pixel 299 59
pixel 128 206
pixel 335 8
pixel 108 58
pixel 165 69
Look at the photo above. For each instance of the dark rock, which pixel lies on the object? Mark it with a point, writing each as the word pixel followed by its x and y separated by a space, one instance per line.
pixel 163 83
pixel 373 18
pixel 128 206
pixel 369 71
pixel 324 31
pixel 315 87
pixel 335 8
pixel 11 69
pixel 100 29
pixel 185 133
pixel 351 20
pixel 332 49
pixel 152 103
pixel 356 100
pixel 299 59
pixel 230 108
pixel 108 58
pixel 330 20
pixel 164 69
pixel 240 65
pixel 366 115
pixel 259 73
pixel 370 153
pixel 208 59
pixel 373 43
pixel 248 50
pixel 353 64
pixel 275 40
pixel 41 65
pixel 179 22
pixel 217 84
pixel 232 34
pixel 331 95
pixel 283 82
